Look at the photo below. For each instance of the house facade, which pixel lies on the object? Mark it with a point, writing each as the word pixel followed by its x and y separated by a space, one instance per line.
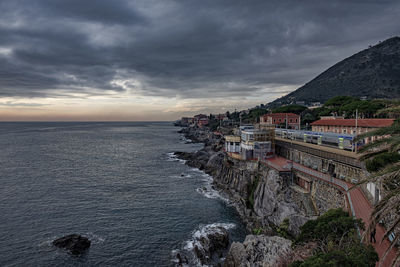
pixel 289 120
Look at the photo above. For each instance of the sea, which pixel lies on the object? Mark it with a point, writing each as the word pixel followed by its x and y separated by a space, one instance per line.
pixel 117 183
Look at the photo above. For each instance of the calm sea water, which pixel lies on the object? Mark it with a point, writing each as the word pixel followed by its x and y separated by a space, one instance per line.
pixel 116 183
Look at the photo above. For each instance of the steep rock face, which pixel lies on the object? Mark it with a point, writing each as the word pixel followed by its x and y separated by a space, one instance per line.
pixel 262 196
pixel 258 251
pixel 273 202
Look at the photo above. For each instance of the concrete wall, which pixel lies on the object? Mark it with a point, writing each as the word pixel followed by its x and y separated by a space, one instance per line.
pixel 336 169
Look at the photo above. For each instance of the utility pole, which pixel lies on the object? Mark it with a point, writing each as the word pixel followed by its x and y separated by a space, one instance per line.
pixel 286 121
pixel 356 128
pixel 299 122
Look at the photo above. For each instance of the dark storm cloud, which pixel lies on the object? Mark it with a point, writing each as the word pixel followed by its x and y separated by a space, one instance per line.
pixel 180 48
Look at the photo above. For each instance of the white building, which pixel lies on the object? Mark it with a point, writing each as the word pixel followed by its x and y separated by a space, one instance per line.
pixel 232 143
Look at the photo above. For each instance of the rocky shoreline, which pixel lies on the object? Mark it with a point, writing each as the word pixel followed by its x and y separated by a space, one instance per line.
pixel 262 198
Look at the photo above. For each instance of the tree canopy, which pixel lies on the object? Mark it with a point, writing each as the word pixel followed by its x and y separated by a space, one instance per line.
pixel 297 109
pixel 335 232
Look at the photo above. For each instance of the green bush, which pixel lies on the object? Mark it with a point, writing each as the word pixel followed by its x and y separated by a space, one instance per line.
pixel 335 233
pixel 257 231
pixel 283 229
pixel 357 255
pixel 331 226
pixel 380 161
pixel 297 109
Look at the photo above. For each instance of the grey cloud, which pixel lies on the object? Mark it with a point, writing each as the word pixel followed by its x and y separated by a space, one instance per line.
pixel 181 48
pixel 20 104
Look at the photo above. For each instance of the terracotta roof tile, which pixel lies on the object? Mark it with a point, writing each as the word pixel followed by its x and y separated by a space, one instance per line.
pixel 281 114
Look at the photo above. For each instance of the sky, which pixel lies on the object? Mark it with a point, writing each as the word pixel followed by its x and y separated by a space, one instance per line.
pixel 124 60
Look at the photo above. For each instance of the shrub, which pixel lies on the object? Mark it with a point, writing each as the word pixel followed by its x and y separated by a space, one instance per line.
pixel 381 161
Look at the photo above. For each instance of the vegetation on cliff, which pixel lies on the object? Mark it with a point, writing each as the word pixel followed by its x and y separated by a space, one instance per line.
pixel 338 243
pixel 383 161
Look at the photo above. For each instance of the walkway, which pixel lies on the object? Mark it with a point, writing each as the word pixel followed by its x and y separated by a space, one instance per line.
pixel 358 203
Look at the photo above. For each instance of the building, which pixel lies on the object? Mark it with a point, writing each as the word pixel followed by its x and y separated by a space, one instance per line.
pixel 202 122
pixel 232 144
pixel 285 120
pixel 350 126
pixel 314 105
pixel 186 121
pixel 255 143
pixel 301 103
pixel 199 116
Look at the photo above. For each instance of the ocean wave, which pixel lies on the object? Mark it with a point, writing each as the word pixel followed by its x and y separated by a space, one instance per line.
pixel 94 239
pixel 185 140
pixel 209 191
pixel 172 157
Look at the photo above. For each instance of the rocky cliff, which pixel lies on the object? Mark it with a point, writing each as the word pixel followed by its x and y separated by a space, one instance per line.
pixel 263 197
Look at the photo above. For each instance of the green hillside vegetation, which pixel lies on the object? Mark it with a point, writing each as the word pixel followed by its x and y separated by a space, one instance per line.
pixel 253 115
pixel 346 106
pixel 297 109
pixel 373 73
pixel 338 243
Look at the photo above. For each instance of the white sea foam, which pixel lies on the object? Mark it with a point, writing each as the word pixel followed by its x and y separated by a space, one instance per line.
pixel 208 189
pixel 187 251
pixel 172 157
pixel 185 140
pixel 94 239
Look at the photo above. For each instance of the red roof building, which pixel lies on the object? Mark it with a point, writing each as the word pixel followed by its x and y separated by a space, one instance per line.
pixel 279 119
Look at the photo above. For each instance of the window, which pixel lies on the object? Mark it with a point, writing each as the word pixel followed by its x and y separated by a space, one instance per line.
pixel 291 120
pixel 296 120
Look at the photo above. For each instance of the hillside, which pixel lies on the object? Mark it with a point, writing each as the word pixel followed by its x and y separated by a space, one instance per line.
pixel 373 72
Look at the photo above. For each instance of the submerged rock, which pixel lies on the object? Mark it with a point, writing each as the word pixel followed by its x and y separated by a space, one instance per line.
pixel 76 244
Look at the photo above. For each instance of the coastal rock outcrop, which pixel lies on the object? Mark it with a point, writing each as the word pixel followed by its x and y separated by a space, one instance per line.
pixel 76 244
pixel 265 199
pixel 258 250
pixel 209 245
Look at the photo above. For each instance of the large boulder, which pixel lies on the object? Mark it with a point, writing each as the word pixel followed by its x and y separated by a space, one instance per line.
pixel 258 250
pixel 76 244
pixel 211 245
